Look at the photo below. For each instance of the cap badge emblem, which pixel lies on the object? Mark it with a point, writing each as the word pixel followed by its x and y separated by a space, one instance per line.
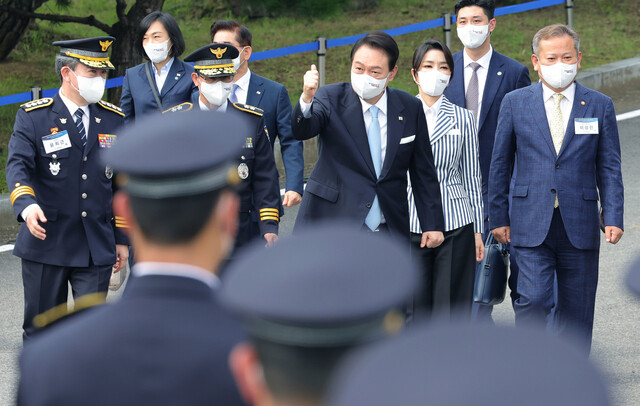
pixel 105 45
pixel 218 52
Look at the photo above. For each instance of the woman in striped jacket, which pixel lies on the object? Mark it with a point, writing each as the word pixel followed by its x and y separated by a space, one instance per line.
pixel 449 270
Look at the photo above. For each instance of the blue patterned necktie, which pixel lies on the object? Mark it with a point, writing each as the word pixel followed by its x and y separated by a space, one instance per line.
pixel 373 134
pixel 233 98
pixel 80 126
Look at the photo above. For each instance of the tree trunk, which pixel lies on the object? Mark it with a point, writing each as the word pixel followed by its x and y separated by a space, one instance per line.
pixel 12 25
pixel 123 54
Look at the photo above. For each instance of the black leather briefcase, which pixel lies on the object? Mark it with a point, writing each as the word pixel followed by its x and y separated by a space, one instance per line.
pixel 491 282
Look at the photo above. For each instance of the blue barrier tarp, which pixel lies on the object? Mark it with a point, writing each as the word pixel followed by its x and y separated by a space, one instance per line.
pixel 314 46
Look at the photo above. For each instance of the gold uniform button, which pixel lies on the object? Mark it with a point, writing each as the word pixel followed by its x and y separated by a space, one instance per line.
pixel 84 176
pixel 84 214
pixel 84 195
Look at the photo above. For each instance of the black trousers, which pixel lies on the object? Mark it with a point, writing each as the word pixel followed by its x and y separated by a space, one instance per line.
pixel 46 286
pixel 448 272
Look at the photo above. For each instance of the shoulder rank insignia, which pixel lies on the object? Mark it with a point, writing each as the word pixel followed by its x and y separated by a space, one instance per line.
pixel 110 107
pixel 36 104
pixel 186 106
pixel 249 109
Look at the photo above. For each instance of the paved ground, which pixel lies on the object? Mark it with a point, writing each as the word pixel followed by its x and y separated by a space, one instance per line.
pixel 617 324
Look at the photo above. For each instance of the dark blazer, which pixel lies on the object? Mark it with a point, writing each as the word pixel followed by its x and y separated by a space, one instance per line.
pixel 343 183
pixel 504 75
pixel 166 342
pixel 587 167
pixel 273 99
pixel 81 185
pixel 137 96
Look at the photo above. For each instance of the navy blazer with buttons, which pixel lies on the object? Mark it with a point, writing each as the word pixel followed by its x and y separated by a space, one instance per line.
pixel 587 167
pixel 273 98
pixel 343 183
pixel 504 76
pixel 75 198
pixel 137 96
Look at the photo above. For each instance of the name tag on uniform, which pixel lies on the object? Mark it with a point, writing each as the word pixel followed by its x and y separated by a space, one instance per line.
pixel 56 141
pixel 586 125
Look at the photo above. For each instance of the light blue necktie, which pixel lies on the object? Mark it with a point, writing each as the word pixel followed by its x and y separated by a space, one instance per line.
pixel 373 134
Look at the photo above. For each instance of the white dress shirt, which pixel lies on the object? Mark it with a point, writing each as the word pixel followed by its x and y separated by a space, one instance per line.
pixel 431 114
pixel 482 73
pixel 242 89
pixel 162 75
pixel 175 269
pixel 566 104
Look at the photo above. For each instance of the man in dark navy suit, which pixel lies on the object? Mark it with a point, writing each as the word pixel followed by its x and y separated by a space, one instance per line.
pixel 482 78
pixel 272 97
pixel 59 189
pixel 370 135
pixel 176 339
pixel 564 138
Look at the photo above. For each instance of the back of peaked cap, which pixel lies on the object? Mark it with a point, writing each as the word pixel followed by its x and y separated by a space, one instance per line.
pixel 332 285
pixel 464 364
pixel 163 156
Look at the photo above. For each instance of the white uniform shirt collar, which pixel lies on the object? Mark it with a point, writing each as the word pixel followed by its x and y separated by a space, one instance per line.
pixel 176 269
pixel 204 107
pixel 72 107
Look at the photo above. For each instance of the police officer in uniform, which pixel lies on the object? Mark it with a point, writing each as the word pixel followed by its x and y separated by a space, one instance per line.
pixel 214 72
pixel 59 190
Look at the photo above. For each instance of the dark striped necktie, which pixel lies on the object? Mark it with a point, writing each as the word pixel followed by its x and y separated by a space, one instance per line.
pixel 80 126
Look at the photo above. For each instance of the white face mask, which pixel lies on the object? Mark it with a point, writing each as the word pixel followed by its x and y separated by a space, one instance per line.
pixel 91 89
pixel 216 93
pixel 157 52
pixel 236 62
pixel 433 82
pixel 559 75
pixel 472 36
pixel 367 87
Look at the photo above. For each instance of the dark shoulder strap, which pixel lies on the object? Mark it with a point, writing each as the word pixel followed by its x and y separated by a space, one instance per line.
pixel 152 84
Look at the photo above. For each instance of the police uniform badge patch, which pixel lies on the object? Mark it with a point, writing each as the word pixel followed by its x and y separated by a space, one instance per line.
pixel 54 167
pixel 243 171
pixel 108 172
pixel 106 140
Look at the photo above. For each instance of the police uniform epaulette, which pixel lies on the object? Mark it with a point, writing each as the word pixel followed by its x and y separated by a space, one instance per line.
pixel 61 311
pixel 36 104
pixel 249 109
pixel 186 106
pixel 111 107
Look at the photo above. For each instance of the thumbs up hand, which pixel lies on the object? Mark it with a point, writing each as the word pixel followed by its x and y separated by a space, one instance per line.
pixel 311 80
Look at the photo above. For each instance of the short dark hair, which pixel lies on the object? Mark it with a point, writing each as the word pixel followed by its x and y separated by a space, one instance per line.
pixel 488 6
pixel 427 46
pixel 293 372
pixel 62 61
pixel 243 35
pixel 170 24
pixel 173 220
pixel 379 40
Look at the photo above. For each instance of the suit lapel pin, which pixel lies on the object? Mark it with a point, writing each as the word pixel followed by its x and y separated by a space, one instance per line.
pixel 258 92
pixel 63 120
pixel 583 102
pixel 400 118
pixel 177 75
pixel 98 120
pixel 499 73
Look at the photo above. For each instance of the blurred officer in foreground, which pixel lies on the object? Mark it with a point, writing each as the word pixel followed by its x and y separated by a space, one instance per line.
pixel 214 72
pixel 182 221
pixel 307 302
pixel 462 365
pixel 59 188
